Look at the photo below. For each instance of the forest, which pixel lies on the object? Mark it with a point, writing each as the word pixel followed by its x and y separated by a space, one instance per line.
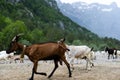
pixel 42 21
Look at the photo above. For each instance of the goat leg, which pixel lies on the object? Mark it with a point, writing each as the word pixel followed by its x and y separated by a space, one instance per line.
pixel 41 73
pixel 32 74
pixel 67 64
pixel 34 70
pixel 113 56
pixel 108 56
pixel 37 73
pixel 56 66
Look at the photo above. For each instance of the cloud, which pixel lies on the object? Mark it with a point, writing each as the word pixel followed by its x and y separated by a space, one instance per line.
pixel 107 2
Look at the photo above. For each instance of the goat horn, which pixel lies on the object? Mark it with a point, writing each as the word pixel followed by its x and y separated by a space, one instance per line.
pixel 14 38
pixel 20 34
pixel 17 36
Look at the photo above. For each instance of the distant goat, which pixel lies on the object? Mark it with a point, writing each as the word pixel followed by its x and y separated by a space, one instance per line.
pixel 44 51
pixel 111 51
pixel 118 53
pixel 17 58
pixel 81 52
pixel 6 57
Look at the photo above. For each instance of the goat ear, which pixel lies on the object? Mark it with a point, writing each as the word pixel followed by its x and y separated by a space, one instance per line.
pixel 14 38
pixel 62 40
pixel 20 34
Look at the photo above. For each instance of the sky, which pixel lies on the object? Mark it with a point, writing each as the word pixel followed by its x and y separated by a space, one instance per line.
pixel 107 2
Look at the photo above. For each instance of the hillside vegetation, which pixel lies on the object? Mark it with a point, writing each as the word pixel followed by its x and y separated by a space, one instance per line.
pixel 41 21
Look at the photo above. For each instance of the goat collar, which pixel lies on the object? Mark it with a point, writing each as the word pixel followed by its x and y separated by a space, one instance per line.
pixel 24 46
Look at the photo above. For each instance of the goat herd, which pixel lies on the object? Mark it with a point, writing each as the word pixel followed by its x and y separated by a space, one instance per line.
pixel 58 51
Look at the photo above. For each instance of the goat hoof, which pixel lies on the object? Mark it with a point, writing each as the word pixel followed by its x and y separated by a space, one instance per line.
pixel 30 79
pixel 44 74
pixel 49 76
pixel 70 76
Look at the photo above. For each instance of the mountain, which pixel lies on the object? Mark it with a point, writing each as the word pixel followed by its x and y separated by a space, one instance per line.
pixel 98 18
pixel 42 21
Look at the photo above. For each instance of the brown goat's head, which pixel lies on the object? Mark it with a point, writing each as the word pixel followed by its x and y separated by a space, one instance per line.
pixel 14 44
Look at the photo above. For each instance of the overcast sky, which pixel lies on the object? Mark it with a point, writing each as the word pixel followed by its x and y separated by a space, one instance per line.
pixel 94 1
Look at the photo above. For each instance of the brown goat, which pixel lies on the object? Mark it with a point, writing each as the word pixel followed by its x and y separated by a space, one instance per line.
pixel 44 51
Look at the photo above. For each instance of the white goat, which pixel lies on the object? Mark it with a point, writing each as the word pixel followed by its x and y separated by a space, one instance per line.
pixel 17 58
pixel 118 53
pixel 5 56
pixel 80 52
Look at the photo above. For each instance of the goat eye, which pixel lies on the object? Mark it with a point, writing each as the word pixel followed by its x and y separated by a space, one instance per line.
pixel 11 44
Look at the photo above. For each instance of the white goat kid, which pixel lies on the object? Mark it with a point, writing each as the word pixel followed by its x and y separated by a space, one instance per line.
pixel 80 52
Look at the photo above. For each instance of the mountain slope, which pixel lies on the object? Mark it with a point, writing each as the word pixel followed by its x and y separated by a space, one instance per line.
pixel 98 18
pixel 41 21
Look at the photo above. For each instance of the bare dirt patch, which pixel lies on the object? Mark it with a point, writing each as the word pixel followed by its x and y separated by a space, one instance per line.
pixel 103 70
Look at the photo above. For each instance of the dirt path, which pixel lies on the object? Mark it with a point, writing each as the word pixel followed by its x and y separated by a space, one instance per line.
pixel 103 70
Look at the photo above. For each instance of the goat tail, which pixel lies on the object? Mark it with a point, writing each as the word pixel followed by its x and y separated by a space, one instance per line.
pixel 92 49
